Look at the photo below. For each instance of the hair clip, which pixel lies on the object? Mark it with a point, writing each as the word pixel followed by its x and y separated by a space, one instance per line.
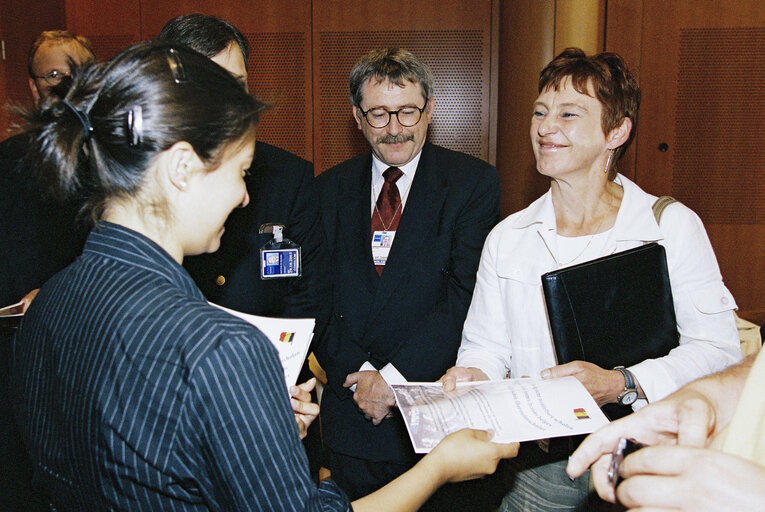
pixel 135 126
pixel 176 66
pixel 87 128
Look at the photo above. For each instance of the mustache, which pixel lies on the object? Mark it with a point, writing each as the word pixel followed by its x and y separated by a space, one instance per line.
pixel 394 139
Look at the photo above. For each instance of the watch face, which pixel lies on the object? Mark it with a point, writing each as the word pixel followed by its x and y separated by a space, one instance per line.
pixel 628 397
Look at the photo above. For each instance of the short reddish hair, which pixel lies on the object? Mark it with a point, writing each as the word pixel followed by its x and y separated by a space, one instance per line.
pixel 613 84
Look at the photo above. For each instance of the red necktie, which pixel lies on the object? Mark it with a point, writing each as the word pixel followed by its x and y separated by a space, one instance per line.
pixel 388 207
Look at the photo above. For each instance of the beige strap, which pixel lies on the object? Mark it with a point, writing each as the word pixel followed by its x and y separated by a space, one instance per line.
pixel 659 206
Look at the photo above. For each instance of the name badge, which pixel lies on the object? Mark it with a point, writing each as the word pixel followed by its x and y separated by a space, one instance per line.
pixel 382 241
pixel 279 263
pixel 279 257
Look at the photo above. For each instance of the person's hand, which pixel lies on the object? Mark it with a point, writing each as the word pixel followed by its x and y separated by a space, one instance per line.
pixel 689 479
pixel 457 374
pixel 604 385
pixel 685 417
pixel 373 395
pixel 305 410
pixel 468 454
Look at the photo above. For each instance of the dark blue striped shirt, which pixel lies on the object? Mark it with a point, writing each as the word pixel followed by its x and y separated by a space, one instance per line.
pixel 132 393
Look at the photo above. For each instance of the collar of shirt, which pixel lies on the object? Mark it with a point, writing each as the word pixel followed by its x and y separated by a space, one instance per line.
pixel 404 183
pixel 123 244
pixel 635 220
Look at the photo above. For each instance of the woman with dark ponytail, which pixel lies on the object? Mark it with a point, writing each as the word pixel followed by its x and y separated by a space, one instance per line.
pixel 131 392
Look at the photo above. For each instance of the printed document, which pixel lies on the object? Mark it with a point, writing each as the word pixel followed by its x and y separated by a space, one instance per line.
pixel 515 409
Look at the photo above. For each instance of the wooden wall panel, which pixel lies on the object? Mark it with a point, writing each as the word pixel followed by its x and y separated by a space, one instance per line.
pixel 526 41
pixel 111 25
pixel 624 35
pixel 279 66
pixel 453 38
pixel 700 135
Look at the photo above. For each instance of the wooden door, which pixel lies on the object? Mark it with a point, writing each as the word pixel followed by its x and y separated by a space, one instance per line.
pixel 701 137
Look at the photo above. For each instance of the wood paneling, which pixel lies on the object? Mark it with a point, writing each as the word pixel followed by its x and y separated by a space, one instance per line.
pixel 111 25
pixel 702 73
pixel 526 40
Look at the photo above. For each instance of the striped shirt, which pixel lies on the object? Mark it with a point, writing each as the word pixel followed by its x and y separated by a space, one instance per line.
pixel 132 393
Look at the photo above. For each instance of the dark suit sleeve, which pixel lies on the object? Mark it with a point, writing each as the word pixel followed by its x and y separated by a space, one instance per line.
pixel 307 296
pixel 432 346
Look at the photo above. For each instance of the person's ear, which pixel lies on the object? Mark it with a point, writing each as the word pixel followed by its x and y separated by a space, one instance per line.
pixel 356 116
pixel 430 105
pixel 34 91
pixel 620 134
pixel 180 163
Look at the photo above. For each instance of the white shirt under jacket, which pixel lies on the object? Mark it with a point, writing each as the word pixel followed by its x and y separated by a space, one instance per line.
pixel 506 331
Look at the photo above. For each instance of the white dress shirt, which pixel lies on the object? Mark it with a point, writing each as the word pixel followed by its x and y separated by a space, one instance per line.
pixel 506 332
pixel 389 373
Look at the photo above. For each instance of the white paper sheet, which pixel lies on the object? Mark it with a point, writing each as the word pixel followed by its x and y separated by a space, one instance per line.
pixel 515 409
pixel 290 336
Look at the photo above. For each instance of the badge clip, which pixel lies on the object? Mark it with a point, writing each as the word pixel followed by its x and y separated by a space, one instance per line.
pixel 279 257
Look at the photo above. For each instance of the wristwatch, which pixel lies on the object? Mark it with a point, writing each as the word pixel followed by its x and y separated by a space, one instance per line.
pixel 630 394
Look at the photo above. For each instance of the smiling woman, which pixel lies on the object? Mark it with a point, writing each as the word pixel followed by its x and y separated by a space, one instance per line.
pixel 582 121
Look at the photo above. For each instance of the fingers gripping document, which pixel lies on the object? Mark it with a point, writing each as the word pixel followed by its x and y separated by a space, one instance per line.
pixel 515 409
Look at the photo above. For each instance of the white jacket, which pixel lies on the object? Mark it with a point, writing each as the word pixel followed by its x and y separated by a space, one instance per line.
pixel 506 332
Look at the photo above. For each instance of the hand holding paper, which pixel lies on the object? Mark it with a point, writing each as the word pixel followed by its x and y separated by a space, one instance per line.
pixel 515 409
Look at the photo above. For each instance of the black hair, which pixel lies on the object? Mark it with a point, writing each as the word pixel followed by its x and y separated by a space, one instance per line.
pixel 206 34
pixel 99 140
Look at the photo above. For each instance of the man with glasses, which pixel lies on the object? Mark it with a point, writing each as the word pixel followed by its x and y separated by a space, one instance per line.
pixel 50 57
pixel 405 225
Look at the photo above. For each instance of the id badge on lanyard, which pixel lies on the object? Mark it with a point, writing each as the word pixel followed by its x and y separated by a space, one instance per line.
pixel 381 244
pixel 279 257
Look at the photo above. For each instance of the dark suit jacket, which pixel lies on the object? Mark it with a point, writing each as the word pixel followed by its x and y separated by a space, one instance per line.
pixel 282 190
pixel 412 316
pixel 38 235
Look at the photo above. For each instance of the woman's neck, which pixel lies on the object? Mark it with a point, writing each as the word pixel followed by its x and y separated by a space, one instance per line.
pixel 151 224
pixel 586 206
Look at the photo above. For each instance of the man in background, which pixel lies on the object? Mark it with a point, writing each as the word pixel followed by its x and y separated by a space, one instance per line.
pixel 39 234
pixel 50 57
pixel 281 190
pixel 405 225
pixel 39 238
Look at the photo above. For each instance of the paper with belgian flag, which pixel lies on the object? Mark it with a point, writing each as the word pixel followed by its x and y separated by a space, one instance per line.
pixel 291 337
pixel 515 409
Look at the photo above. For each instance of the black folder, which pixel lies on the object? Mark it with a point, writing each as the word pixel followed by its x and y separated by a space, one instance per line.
pixel 612 311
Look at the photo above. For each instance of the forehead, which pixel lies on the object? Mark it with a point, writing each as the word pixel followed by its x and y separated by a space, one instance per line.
pixel 566 93
pixel 232 60
pixel 56 54
pixel 385 93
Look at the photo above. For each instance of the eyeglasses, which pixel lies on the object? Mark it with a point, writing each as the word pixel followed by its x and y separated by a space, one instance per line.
pixel 380 117
pixel 53 78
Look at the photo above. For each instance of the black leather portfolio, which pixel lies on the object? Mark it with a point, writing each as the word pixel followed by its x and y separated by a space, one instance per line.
pixel 612 311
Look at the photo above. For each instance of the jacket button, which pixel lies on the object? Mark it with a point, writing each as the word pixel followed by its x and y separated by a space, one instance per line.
pixel 220 280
